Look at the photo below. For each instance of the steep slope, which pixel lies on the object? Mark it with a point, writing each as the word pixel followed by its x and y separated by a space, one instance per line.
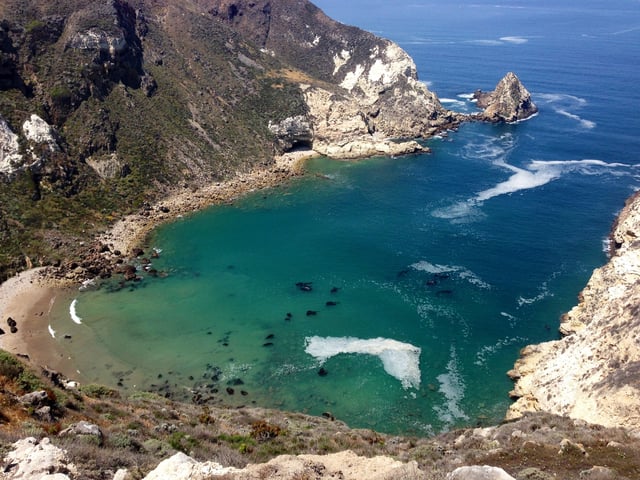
pixel 130 102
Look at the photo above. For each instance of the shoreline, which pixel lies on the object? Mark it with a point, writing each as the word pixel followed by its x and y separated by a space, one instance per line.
pixel 29 297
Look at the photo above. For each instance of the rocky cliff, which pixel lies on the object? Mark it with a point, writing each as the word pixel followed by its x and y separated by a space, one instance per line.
pixel 106 106
pixel 593 373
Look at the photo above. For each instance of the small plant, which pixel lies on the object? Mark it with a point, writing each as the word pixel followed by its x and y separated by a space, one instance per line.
pixel 263 431
pixel 99 391
pixel 182 442
pixel 240 442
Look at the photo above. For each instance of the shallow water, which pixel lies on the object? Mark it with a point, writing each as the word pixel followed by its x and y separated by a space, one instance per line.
pixel 438 268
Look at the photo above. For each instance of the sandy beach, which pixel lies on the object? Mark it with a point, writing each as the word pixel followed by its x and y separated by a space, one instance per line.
pixel 29 297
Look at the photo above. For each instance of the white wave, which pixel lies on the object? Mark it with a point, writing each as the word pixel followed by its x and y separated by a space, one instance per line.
pixel 73 313
pixel 490 148
pixel 583 122
pixel 86 284
pixel 488 350
pixel 460 210
pixel 486 43
pixel 52 332
pixel 541 172
pixel 452 387
pixel 514 39
pixel 400 360
pixel 520 180
pixel 453 101
pixel 566 105
pixel 544 293
pixel 512 319
pixel 466 96
pixel 462 272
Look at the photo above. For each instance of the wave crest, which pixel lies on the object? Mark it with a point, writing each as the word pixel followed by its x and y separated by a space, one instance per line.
pixel 400 360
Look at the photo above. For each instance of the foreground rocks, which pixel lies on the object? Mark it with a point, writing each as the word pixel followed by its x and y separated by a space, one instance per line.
pixel 537 447
pixel 593 372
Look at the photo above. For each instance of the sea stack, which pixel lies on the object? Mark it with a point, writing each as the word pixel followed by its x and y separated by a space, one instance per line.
pixel 509 102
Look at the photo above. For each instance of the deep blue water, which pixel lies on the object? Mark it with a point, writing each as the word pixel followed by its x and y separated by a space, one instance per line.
pixel 445 265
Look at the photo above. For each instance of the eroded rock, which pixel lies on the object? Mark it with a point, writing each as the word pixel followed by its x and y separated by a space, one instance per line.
pixel 509 102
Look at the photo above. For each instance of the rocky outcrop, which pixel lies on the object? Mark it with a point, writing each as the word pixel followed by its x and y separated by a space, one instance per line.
pixel 10 156
pixel 345 465
pixel 509 102
pixel 31 459
pixel 593 373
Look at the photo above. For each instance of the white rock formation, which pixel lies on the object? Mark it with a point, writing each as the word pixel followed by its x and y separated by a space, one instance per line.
pixel 344 465
pixel 479 473
pixel 380 100
pixel 594 372
pixel 38 131
pixel 32 459
pixel 10 157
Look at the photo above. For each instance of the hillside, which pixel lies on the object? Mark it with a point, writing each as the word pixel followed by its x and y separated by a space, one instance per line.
pixel 107 106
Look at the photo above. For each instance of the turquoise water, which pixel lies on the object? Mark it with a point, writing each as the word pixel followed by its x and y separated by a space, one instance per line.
pixel 437 268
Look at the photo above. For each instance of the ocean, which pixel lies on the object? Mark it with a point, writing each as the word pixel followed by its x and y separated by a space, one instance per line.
pixel 395 293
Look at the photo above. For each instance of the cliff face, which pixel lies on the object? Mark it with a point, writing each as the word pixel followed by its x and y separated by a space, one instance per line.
pixel 360 90
pixel 593 373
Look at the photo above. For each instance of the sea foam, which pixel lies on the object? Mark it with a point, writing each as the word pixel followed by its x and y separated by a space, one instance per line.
pixel 73 313
pixel 462 272
pixel 452 387
pixel 400 360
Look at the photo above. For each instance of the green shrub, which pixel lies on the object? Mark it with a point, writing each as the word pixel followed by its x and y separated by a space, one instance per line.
pixel 99 391
pixel 182 442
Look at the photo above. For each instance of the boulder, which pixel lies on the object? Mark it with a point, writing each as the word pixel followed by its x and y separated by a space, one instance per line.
pixel 183 467
pixel 476 472
pixel 32 459
pixel 34 399
pixel 83 428
pixel 509 102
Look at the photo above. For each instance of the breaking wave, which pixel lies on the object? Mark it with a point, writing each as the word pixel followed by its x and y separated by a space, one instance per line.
pixel 400 360
pixel 73 313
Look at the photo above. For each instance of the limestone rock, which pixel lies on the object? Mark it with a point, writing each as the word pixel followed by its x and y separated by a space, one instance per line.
pixel 479 473
pixel 83 428
pixel 593 374
pixel 345 465
pixel 183 467
pixel 509 102
pixel 31 459
pixel 10 157
pixel 293 132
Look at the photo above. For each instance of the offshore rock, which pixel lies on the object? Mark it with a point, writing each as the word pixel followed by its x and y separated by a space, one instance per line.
pixel 593 373
pixel 509 102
